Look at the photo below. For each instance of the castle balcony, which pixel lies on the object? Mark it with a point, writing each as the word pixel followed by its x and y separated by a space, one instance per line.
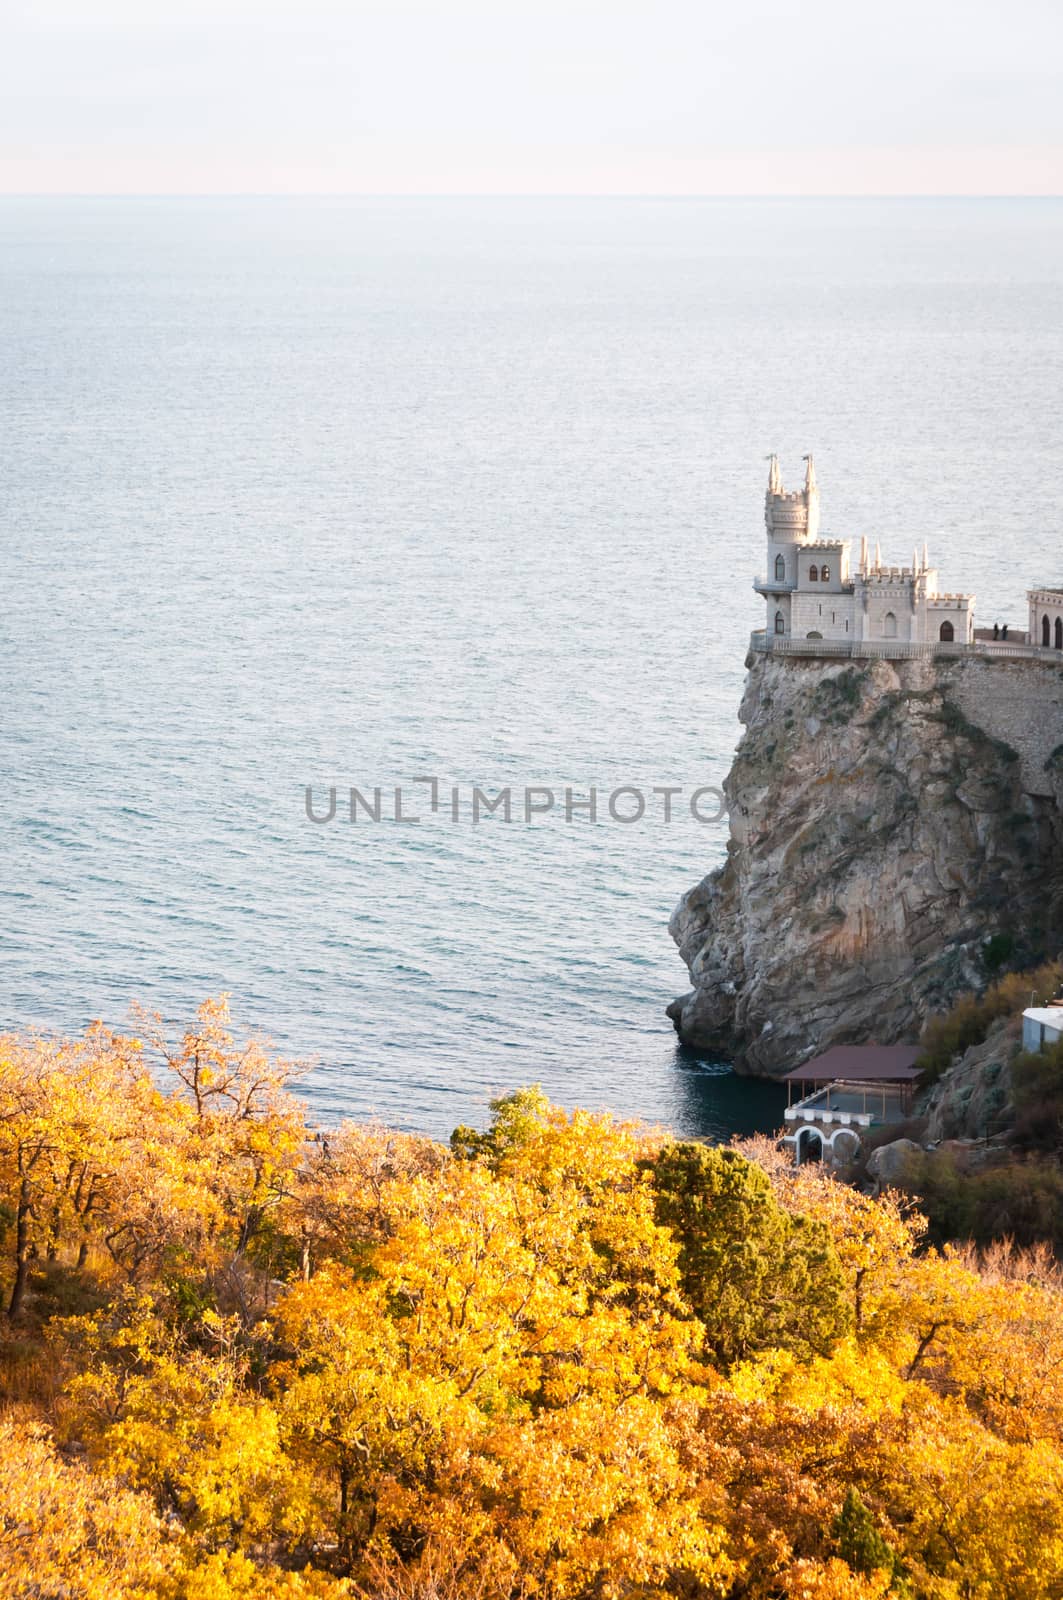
pixel 898 649
pixel 765 585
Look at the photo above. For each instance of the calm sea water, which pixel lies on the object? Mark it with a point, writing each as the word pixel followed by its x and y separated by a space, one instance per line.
pixel 356 491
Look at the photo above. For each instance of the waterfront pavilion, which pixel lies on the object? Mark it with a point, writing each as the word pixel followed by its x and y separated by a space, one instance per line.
pixel 843 1094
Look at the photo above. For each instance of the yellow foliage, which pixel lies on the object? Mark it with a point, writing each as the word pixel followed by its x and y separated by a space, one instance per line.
pixel 230 1575
pixel 832 1580
pixel 359 1365
pixel 182 1422
pixel 67 1531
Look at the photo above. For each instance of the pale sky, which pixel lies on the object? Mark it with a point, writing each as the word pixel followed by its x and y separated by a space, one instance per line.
pixel 514 97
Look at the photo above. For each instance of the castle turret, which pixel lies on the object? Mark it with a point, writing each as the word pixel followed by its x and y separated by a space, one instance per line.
pixel 792 522
pixel 791 516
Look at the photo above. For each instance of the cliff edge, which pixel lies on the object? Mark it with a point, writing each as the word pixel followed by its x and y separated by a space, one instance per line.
pixel 887 818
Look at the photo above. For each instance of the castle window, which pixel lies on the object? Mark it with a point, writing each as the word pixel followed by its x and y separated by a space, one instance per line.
pixel 889 626
pixel 813 575
pixel 946 633
pixel 824 573
pixel 780 569
pixel 1046 632
pixel 1059 633
pixel 780 625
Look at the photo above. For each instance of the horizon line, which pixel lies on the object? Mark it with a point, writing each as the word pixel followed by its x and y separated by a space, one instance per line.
pixel 500 194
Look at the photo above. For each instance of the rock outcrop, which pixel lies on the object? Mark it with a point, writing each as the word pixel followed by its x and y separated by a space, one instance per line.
pixel 973 1100
pixel 889 1164
pixel 886 819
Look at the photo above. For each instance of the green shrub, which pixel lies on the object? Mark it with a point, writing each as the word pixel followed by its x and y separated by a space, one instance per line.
pixel 860 1544
pixel 998 951
pixel 1021 1200
pixel 1037 1082
pixel 757 1276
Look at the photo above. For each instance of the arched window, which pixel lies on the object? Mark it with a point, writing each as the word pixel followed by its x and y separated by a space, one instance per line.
pixel 780 624
pixel 780 569
pixel 889 626
pixel 813 575
pixel 946 633
pixel 1046 635
pixel 824 574
pixel 1059 633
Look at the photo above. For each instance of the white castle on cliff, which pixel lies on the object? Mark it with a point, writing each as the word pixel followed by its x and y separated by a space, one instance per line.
pixel 813 591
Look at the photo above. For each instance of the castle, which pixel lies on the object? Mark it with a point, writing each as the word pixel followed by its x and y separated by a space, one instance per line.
pixel 813 592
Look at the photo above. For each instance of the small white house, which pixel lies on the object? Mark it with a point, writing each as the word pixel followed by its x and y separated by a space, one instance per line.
pixel 1042 1026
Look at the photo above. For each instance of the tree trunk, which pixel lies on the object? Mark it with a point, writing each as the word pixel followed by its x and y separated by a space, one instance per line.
pixel 55 1232
pixel 22 1252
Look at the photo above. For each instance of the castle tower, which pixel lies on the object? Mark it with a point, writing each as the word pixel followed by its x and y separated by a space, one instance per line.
pixel 791 517
pixel 792 522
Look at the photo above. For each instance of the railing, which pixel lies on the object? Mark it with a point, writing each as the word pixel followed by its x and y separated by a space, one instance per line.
pixel 897 649
pixel 762 581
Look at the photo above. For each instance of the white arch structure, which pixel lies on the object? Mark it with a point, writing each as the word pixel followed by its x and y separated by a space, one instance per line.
pixel 835 1148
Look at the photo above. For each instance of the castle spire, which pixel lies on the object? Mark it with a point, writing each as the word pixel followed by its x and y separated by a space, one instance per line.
pixel 878 556
pixel 774 476
pixel 810 475
pixel 863 554
pixel 926 557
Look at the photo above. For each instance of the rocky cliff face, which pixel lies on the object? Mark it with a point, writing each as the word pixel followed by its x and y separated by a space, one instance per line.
pixel 973 1100
pixel 887 818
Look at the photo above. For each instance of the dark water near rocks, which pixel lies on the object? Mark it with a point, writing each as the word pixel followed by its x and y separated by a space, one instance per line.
pixel 355 491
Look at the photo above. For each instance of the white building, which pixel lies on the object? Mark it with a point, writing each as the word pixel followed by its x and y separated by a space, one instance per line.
pixel 1046 617
pixel 1041 1026
pixel 813 591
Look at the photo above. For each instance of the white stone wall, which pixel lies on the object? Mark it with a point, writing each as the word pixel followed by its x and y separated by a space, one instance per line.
pixel 1046 605
pixel 879 601
pixel 816 557
pixel 779 604
pixel 956 609
pixel 825 610
pixel 789 552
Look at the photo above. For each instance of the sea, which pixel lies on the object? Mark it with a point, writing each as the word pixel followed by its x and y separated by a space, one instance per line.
pixel 362 493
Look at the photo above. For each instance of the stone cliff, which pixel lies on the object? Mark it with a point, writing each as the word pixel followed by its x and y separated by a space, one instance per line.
pixel 887 818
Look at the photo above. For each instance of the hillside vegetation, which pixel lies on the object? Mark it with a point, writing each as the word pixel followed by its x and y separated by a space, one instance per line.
pixel 568 1358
